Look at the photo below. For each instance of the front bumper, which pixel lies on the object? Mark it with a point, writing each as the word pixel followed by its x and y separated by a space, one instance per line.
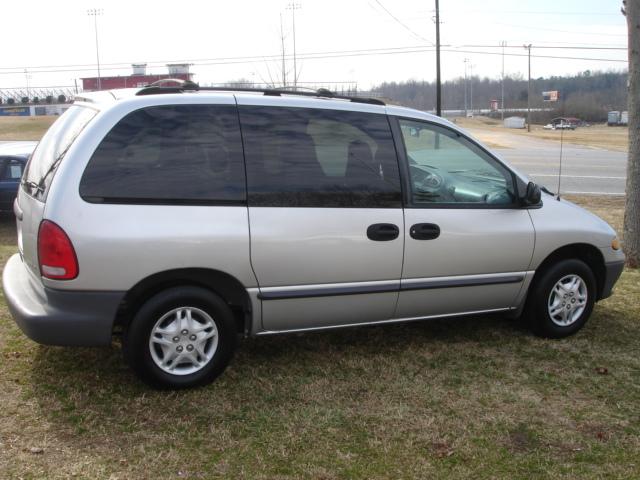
pixel 612 272
pixel 58 317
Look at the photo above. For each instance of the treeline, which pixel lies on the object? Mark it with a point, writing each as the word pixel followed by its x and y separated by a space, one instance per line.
pixel 588 95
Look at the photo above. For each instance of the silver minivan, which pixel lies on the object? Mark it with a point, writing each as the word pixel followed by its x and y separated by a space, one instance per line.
pixel 184 217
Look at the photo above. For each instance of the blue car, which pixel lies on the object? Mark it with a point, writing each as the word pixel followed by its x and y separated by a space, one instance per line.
pixel 13 158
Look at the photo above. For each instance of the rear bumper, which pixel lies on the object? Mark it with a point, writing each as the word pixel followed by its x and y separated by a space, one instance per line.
pixel 612 272
pixel 58 317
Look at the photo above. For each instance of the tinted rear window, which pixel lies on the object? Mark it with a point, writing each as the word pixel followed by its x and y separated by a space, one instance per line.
pixel 303 157
pixel 169 154
pixel 52 148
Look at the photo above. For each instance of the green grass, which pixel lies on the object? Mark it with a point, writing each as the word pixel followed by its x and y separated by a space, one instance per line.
pixel 465 398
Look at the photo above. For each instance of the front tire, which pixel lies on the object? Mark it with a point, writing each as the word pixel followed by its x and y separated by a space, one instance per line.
pixel 182 337
pixel 562 299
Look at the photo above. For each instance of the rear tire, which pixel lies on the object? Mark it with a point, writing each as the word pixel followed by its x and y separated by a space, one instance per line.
pixel 182 337
pixel 561 299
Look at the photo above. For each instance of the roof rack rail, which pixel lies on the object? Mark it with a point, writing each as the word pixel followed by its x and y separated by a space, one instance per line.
pixel 160 87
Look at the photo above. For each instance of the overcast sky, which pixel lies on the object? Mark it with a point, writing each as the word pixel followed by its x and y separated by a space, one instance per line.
pixel 213 35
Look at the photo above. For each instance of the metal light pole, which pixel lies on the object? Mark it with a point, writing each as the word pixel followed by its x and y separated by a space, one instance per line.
pixel 466 113
pixel 528 47
pixel 438 82
pixel 503 43
pixel 284 69
pixel 471 87
pixel 95 12
pixel 26 77
pixel 293 7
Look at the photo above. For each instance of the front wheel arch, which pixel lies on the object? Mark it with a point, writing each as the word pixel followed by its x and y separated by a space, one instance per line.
pixel 579 251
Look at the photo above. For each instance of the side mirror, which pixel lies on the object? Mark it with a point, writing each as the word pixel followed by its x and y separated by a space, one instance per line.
pixel 533 195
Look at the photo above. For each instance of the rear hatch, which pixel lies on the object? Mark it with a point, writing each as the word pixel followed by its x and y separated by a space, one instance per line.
pixel 37 177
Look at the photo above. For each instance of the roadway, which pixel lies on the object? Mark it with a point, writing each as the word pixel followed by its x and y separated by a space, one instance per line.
pixel 585 170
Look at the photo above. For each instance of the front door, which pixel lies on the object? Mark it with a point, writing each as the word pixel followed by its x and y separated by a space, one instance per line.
pixel 325 214
pixel 468 243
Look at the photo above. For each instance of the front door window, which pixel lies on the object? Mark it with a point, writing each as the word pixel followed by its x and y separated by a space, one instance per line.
pixel 446 168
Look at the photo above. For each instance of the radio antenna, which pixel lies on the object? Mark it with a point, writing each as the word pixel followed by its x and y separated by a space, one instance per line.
pixel 554 96
pixel 560 163
pixel 561 144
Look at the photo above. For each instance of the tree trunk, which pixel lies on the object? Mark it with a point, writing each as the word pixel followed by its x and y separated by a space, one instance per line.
pixel 632 206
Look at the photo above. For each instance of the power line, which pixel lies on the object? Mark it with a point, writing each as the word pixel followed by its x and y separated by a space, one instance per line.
pixel 407 49
pixel 558 47
pixel 402 23
pixel 306 56
pixel 528 27
pixel 539 12
pixel 580 44
pixel 557 57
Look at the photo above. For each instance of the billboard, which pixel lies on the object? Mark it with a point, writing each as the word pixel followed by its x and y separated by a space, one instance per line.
pixel 550 96
pixel 14 112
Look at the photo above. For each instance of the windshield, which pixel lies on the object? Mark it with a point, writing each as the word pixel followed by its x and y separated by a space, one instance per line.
pixel 52 148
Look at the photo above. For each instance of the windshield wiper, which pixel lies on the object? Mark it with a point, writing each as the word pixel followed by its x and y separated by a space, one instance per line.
pixel 32 185
pixel 40 185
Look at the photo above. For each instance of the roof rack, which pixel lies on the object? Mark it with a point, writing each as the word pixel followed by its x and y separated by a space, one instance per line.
pixel 161 87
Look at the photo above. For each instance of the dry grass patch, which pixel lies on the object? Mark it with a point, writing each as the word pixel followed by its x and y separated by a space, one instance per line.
pixel 595 136
pixel 24 128
pixel 465 398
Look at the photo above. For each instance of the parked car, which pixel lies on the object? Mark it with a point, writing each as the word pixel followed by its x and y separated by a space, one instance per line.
pixel 185 217
pixel 13 157
pixel 559 126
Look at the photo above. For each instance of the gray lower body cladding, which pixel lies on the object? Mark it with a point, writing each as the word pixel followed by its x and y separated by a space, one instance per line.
pixel 58 317
pixel 612 272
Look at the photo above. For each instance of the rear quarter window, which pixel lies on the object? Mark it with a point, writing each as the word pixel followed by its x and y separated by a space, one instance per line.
pixel 171 154
pixel 52 148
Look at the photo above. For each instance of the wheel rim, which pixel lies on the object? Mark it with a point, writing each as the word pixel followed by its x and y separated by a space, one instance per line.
pixel 183 341
pixel 567 300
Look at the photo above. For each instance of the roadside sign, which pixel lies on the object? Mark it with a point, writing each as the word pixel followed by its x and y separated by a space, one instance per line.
pixel 550 96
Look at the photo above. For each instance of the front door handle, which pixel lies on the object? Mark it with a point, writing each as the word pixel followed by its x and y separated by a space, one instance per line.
pixel 383 232
pixel 425 231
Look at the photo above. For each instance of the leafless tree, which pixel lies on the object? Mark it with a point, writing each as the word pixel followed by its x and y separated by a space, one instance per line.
pixel 631 8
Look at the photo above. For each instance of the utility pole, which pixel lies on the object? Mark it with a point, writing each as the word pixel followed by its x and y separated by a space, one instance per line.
pixel 293 7
pixel 466 60
pixel 438 81
pixel 503 43
pixel 528 47
pixel 94 12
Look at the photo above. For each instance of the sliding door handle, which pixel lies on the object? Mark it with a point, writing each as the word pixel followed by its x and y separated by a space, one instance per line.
pixel 383 232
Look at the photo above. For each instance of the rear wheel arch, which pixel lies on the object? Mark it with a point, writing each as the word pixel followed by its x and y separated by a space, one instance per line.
pixel 226 286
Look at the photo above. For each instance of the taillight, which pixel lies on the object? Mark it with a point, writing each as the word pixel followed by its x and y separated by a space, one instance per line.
pixel 55 253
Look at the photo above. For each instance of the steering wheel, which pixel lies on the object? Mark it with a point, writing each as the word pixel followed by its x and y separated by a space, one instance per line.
pixel 430 184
